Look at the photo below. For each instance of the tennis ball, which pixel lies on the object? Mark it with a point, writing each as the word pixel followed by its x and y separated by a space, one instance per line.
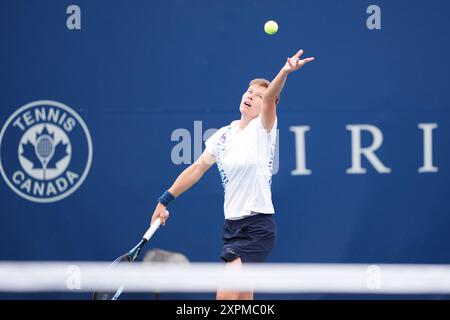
pixel 271 27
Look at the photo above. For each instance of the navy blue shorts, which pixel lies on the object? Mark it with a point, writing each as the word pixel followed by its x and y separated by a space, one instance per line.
pixel 251 238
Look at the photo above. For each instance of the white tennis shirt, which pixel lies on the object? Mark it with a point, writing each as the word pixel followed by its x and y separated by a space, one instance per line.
pixel 244 158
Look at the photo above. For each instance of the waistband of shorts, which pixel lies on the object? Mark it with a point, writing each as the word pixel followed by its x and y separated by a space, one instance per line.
pixel 253 216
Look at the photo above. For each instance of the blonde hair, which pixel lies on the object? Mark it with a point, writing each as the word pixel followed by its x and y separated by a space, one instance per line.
pixel 260 81
pixel 264 83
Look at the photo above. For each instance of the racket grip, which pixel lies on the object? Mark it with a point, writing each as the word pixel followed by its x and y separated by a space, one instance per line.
pixel 154 226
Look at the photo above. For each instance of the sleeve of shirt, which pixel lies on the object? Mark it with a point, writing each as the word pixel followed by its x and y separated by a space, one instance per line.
pixel 266 140
pixel 259 125
pixel 213 141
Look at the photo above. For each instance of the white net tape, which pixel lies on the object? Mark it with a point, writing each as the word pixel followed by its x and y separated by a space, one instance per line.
pixel 208 277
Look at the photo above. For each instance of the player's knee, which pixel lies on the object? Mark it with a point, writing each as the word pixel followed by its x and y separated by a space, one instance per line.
pixel 246 295
pixel 227 295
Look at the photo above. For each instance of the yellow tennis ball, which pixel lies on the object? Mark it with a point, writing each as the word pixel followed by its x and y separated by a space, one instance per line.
pixel 271 27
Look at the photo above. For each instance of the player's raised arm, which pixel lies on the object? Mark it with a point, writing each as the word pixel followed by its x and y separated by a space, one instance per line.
pixel 185 180
pixel 271 95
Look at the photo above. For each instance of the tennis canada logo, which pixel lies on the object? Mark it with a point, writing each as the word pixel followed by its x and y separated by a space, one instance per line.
pixel 45 151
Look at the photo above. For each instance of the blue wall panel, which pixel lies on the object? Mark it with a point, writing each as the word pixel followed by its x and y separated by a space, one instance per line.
pixel 139 70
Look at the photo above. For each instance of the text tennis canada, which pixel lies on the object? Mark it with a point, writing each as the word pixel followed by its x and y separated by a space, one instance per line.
pixel 46 151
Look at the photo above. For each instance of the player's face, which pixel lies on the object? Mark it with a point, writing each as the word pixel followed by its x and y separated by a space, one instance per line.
pixel 252 101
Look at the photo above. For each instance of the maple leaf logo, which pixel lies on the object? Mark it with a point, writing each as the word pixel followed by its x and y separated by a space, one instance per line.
pixel 29 153
pixel 44 154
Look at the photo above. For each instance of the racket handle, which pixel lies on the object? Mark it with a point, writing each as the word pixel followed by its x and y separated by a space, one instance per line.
pixel 154 226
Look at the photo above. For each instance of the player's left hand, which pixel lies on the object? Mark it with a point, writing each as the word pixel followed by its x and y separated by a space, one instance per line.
pixel 294 63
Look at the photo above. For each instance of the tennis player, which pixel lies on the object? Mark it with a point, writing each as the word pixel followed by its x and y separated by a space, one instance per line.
pixel 244 152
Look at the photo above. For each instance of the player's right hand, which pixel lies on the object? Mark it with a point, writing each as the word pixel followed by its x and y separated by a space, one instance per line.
pixel 161 213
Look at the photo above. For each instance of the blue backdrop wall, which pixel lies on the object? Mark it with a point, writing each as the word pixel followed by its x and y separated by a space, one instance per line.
pixel 139 72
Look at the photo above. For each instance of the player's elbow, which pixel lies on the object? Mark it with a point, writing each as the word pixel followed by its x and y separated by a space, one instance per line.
pixel 196 172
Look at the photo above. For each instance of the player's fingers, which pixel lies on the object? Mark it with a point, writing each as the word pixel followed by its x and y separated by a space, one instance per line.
pixel 298 54
pixel 164 215
pixel 305 61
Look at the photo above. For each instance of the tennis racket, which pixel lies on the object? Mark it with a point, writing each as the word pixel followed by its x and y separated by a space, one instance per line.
pixel 129 257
